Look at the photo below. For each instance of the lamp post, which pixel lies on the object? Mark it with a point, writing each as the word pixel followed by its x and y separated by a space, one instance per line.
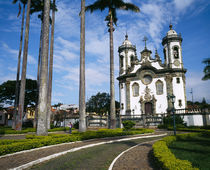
pixel 172 98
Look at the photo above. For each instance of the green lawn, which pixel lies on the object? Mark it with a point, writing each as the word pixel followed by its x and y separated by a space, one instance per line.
pixel 195 149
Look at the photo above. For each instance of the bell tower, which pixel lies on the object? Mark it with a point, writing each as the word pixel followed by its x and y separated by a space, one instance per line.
pixel 127 56
pixel 172 49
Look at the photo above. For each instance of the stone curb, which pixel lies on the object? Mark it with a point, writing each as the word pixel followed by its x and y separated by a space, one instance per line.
pixel 76 149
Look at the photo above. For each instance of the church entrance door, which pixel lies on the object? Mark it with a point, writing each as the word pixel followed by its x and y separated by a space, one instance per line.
pixel 148 108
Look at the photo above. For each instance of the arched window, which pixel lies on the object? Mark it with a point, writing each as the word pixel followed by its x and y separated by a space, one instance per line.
pixel 176 52
pixel 121 61
pixel 132 59
pixel 135 88
pixel 159 87
pixel 164 52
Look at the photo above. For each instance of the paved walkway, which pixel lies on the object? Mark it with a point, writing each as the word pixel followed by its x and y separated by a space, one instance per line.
pixel 21 158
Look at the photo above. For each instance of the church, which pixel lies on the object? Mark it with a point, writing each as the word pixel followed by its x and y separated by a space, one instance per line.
pixel 147 84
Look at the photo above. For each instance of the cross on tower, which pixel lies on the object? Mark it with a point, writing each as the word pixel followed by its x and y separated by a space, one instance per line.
pixel 145 40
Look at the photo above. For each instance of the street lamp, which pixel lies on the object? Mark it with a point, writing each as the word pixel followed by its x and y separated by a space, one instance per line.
pixel 172 98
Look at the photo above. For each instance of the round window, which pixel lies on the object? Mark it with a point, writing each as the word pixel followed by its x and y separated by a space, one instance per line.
pixel 147 79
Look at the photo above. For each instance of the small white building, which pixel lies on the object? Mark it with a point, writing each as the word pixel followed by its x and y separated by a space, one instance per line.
pixel 145 84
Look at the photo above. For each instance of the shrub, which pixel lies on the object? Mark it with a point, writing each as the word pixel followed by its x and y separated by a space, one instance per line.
pixel 33 141
pixel 128 124
pixel 76 125
pixel 166 159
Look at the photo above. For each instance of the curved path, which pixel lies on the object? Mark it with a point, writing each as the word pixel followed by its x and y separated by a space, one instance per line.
pixel 26 159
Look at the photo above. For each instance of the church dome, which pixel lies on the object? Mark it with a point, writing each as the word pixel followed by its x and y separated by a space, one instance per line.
pixel 171 31
pixel 126 42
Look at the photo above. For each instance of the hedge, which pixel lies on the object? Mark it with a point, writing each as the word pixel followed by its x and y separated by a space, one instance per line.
pixel 166 159
pixel 33 141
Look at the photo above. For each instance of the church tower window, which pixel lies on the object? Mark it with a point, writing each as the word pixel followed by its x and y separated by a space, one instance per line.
pixel 180 103
pixel 132 59
pixel 177 80
pixel 164 51
pixel 176 52
pixel 121 61
pixel 159 87
pixel 135 89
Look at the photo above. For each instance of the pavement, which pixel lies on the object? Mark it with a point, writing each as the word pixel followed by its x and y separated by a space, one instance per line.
pixel 28 158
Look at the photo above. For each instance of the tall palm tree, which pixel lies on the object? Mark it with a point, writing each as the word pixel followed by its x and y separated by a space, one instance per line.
pixel 111 18
pixel 206 69
pixel 19 116
pixel 19 59
pixel 49 94
pixel 82 115
pixel 42 103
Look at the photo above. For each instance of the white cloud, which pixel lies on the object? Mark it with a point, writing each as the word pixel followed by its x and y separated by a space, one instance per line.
pixel 183 4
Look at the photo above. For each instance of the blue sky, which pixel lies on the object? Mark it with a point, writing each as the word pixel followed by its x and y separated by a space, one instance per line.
pixel 189 17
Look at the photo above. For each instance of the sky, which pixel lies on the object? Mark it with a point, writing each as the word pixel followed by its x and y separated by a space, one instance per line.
pixel 188 17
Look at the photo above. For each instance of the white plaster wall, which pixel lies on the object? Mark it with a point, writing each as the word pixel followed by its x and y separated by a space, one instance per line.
pixel 178 91
pixel 161 103
pixel 198 120
pixel 156 65
pixel 123 99
pixel 172 44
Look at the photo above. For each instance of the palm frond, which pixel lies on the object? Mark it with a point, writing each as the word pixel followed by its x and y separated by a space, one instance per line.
pixel 132 7
pixel 98 5
pixel 206 61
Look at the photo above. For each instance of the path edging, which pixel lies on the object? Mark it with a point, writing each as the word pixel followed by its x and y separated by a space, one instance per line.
pixel 76 149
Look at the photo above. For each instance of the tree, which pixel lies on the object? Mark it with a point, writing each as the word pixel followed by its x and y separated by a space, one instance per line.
pixel 82 122
pixel 19 57
pixel 206 69
pixel 49 94
pixel 100 103
pixel 42 102
pixel 112 6
pixel 19 116
pixel 37 6
pixel 8 90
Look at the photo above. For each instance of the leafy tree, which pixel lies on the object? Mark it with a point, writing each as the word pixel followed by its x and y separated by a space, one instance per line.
pixel 7 93
pixel 112 6
pixel 100 103
pixel 206 69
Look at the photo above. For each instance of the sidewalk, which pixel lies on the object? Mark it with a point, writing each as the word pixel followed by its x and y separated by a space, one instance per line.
pixel 24 157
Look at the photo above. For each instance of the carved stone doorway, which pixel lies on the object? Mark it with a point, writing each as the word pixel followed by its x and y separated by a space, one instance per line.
pixel 148 108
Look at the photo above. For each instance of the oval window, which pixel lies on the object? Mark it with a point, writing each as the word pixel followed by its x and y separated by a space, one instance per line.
pixel 147 79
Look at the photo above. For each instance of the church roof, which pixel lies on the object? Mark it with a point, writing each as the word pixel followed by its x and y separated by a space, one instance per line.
pixel 171 31
pixel 126 42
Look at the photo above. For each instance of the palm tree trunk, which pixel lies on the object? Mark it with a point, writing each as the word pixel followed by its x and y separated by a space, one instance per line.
pixel 82 115
pixel 38 77
pixel 19 117
pixel 50 67
pixel 18 70
pixel 112 94
pixel 42 104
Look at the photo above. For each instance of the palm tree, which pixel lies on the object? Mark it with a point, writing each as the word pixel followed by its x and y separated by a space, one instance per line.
pixel 111 18
pixel 19 58
pixel 49 94
pixel 206 69
pixel 82 122
pixel 19 116
pixel 42 103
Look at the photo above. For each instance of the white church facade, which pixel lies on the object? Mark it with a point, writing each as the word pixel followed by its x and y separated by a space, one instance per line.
pixel 146 83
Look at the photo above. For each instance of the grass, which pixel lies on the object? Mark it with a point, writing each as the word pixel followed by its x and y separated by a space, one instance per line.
pixel 98 157
pixel 195 149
